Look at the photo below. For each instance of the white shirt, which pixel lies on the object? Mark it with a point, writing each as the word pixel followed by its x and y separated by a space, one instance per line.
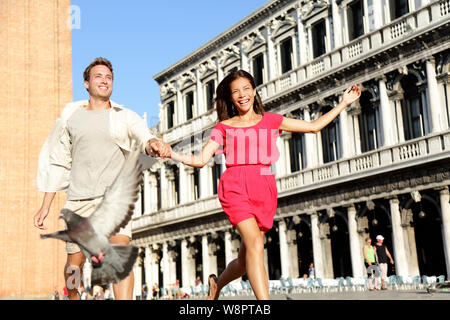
pixel 128 130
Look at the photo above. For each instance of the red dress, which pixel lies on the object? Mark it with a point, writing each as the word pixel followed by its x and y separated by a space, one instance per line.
pixel 247 189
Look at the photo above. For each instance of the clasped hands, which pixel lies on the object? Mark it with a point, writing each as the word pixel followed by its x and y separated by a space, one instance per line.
pixel 158 148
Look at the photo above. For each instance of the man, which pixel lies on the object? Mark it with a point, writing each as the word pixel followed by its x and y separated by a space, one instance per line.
pixel 383 254
pixel 84 153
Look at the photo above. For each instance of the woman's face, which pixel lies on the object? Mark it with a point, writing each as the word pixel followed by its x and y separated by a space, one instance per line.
pixel 242 94
pixel 369 241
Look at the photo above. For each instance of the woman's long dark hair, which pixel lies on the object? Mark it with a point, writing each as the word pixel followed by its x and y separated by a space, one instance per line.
pixel 224 106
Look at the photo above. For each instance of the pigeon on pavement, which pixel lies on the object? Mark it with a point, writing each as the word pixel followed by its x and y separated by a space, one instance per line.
pixel 112 262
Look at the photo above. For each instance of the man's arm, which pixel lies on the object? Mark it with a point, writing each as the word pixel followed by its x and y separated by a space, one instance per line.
pixel 389 255
pixel 44 210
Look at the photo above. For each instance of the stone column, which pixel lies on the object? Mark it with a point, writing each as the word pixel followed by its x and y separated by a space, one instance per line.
pixel 187 264
pixel 345 134
pixel 310 145
pixel 154 265
pixel 212 257
pixel 401 263
pixel 301 38
pixel 180 111
pixel 199 105
pixel 146 192
pixel 377 13
pixel 231 249
pixel 280 164
pixel 244 58
pixel 437 115
pixel 184 187
pixel 337 29
pixel 386 115
pixel 205 258
pixel 288 251
pixel 205 185
pixel 148 267
pixel 317 246
pixel 284 252
pixel 355 246
pixel 327 258
pixel 220 75
pixel 138 205
pixel 172 254
pixel 410 243
pixel 153 193
pixel 164 185
pixel 169 266
pixel 137 272
pixel 287 152
pixel 445 216
pixel 272 65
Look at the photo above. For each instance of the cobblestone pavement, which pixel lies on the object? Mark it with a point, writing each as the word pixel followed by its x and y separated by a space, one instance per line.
pixel 350 295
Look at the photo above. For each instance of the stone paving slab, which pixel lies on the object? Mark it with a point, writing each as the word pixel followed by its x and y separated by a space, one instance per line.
pixel 350 295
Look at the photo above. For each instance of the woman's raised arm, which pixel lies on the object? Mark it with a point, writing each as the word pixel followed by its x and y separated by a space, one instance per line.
pixel 295 125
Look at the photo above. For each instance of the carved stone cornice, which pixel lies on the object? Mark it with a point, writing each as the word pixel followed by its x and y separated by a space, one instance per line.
pixel 228 53
pixel 382 186
pixel 207 67
pixel 252 41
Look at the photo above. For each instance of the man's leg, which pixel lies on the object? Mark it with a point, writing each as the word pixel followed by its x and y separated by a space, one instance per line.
pixel 124 289
pixel 73 272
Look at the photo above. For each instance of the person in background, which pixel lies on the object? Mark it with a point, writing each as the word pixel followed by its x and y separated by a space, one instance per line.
pixel 369 262
pixel 383 255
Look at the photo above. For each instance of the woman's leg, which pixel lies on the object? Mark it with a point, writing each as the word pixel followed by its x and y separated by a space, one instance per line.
pixel 254 257
pixel 237 267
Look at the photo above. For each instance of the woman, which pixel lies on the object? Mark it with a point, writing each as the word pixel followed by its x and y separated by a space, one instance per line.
pixel 247 189
pixel 369 252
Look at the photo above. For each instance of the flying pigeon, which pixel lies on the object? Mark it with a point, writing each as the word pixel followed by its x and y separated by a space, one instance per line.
pixel 112 262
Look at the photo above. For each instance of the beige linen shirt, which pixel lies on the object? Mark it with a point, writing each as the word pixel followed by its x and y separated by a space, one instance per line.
pixel 127 129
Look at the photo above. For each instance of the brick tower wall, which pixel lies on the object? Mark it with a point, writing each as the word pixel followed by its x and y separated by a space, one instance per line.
pixel 35 83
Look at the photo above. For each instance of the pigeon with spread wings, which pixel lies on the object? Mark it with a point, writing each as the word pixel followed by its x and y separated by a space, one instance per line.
pixel 112 263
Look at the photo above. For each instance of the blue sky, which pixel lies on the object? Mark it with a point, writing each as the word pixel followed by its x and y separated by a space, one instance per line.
pixel 143 37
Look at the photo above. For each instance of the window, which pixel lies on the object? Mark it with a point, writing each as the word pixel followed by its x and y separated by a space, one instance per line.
pixel 368 124
pixel 355 20
pixel 176 182
pixel 258 67
pixel 329 140
pixel 170 113
pixel 209 90
pixel 286 55
pixel 318 38
pixel 158 188
pixel 398 8
pixel 189 105
pixel 196 183
pixel 412 109
pixel 216 173
pixel 296 152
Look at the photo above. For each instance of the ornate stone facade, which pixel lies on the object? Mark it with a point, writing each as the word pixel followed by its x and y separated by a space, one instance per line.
pixel 381 167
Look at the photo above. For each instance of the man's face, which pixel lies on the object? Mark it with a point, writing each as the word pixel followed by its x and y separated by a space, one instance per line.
pixel 100 82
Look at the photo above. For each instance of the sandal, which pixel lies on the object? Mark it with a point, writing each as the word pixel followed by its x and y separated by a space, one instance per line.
pixel 210 295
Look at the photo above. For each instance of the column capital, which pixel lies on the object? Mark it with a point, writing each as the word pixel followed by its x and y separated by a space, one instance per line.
pixel 350 207
pixel 442 190
pixel 393 199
